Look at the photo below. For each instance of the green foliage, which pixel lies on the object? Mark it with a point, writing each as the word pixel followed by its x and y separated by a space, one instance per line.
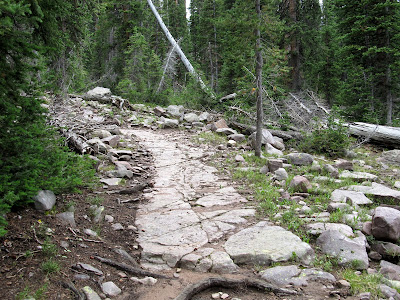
pixel 50 266
pixel 363 283
pixel 331 140
pixel 49 249
pixel 326 262
pixel 39 294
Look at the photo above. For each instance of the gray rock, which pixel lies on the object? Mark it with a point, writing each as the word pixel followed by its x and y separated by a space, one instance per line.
pixel 274 164
pixel 191 117
pixel 159 111
pixel 222 263
pixel 90 232
pixel 175 111
pixel 318 228
pixel 386 224
pixel 267 138
pixel 300 184
pixel 358 176
pixel 334 206
pixel 364 296
pixel 283 275
pixel 351 197
pixel 98 145
pixel 264 170
pixel 348 251
pixel 44 200
pixel 391 157
pixel 81 277
pixel 343 164
pixel 224 196
pixel 385 249
pixel 237 137
pixel 300 159
pixel 109 218
pixel 397 184
pixel 168 123
pixel 117 226
pixel 281 174
pixel 273 151
pixel 367 228
pixel 89 268
pixel 111 181
pixel 221 123
pixel 90 294
pixel 333 172
pixel 101 134
pixel 67 218
pixel 378 191
pixel 111 140
pixel 239 158
pixel 389 292
pixel 204 116
pixel 316 167
pixel 110 289
pixel 98 93
pixel 262 244
pixel 97 213
pixel 389 270
pixel 145 281
pixel 226 131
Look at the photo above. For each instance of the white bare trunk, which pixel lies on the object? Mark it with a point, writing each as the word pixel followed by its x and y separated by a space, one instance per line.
pixel 383 134
pixel 178 49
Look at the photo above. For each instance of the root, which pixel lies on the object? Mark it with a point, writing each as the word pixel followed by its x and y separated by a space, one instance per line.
pixel 129 269
pixel 210 282
pixel 78 295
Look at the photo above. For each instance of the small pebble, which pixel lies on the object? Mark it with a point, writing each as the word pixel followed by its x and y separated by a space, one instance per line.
pixel 224 296
pixel 216 296
pixel 178 270
pixel 176 275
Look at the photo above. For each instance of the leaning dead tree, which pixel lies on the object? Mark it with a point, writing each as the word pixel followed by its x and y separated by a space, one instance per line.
pixel 178 49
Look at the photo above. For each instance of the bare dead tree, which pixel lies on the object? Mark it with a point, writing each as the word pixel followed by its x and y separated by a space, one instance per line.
pixel 259 93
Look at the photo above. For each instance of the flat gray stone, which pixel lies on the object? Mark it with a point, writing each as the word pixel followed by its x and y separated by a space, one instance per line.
pixel 226 131
pixel 389 270
pixel 378 191
pixel 281 174
pixel 90 294
pixel 222 263
pixel 224 196
pixel 89 268
pixel 175 110
pixel 44 200
pixel 358 176
pixel 348 251
pixel 386 224
pixel 318 228
pixel 237 137
pixel 351 197
pixel 300 159
pixel 110 289
pixel 391 157
pixel 111 181
pixel 67 218
pixel 283 275
pixel 271 150
pixel 263 244
pixel 191 117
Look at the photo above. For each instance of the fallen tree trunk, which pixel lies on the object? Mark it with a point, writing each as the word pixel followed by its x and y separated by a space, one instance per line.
pixel 375 133
pixel 210 282
pixel 248 130
pixel 75 142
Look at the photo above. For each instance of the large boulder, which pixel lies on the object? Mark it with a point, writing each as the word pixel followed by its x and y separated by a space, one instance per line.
pixel 386 224
pixel 300 184
pixel 267 138
pixel 300 159
pixel 175 111
pixel 263 244
pixel 98 93
pixel 350 252
pixel 44 200
pixel 391 157
pixel 351 197
pixel 378 191
pixel 389 270
pixel 221 123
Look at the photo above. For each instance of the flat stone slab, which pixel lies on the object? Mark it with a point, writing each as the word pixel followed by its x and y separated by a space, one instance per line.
pixel 351 197
pixel 358 176
pixel 377 190
pixel 318 228
pixel 263 244
pixel 293 275
pixel 224 196
pixel 111 181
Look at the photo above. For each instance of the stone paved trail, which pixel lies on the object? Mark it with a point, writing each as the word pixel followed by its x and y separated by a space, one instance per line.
pixel 191 213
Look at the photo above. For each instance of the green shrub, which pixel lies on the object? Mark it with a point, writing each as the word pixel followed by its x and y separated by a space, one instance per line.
pixel 331 140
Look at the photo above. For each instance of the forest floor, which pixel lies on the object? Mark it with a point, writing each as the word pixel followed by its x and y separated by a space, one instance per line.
pixel 40 255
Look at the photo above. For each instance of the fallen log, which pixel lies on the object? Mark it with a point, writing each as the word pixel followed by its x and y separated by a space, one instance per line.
pixel 248 130
pixel 375 133
pixel 75 142
pixel 210 282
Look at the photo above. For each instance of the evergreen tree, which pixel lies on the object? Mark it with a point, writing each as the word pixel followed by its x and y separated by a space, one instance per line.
pixel 369 32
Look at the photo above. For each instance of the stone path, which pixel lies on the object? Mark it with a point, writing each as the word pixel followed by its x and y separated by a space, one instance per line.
pixel 191 213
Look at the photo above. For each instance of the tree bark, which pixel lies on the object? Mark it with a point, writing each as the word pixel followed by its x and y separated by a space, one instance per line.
pixel 182 55
pixel 259 65
pixel 376 133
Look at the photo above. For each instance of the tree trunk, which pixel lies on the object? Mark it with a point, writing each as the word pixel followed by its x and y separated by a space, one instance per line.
pixel 182 55
pixel 376 133
pixel 259 65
